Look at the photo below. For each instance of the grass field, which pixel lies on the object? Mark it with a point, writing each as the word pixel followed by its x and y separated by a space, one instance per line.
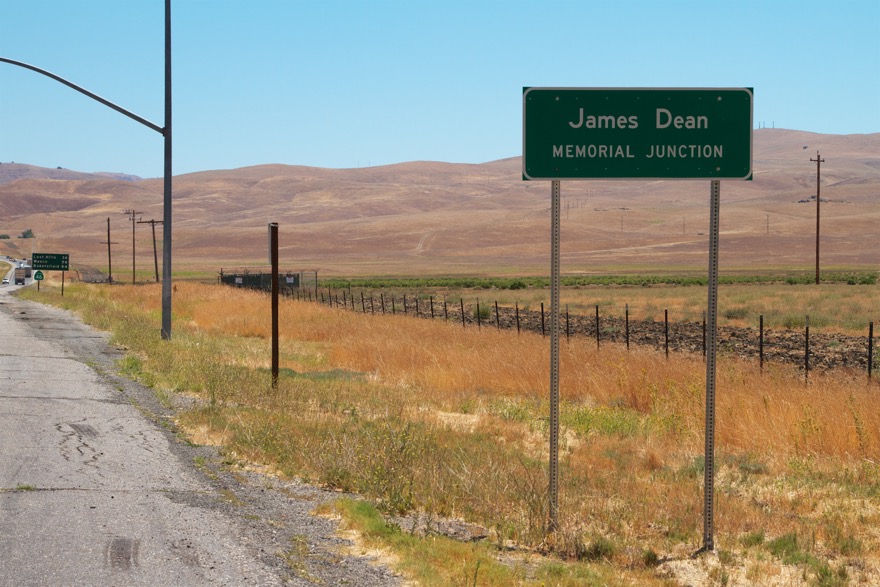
pixel 846 303
pixel 422 416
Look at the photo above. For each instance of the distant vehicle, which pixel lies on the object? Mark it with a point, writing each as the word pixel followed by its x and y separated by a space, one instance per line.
pixel 19 276
pixel 5 281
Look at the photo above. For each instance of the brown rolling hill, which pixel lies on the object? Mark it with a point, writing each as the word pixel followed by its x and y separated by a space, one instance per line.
pixel 429 218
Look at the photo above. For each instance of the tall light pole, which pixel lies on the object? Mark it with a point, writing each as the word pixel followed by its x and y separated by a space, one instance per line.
pixel 818 161
pixel 166 218
pixel 164 131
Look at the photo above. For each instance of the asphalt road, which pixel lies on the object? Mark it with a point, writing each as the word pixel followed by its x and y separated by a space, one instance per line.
pixel 96 488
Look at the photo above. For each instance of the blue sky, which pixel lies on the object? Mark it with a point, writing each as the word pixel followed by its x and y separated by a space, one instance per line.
pixel 334 83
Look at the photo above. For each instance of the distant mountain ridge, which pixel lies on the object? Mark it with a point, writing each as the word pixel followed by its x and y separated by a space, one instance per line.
pixel 423 217
pixel 10 172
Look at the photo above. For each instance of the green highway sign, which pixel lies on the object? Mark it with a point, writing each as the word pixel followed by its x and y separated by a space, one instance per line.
pixel 51 261
pixel 637 133
pixel 38 275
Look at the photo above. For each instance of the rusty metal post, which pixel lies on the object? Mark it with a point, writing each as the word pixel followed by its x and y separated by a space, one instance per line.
pixel 273 252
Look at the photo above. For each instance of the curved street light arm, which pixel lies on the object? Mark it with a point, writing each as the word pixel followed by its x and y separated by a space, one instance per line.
pixel 103 101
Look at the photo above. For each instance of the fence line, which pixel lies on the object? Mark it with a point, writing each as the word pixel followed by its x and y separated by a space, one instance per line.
pixel 668 336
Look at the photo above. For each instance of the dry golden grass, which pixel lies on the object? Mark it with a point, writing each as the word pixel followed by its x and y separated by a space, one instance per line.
pixel 416 413
pixel 448 364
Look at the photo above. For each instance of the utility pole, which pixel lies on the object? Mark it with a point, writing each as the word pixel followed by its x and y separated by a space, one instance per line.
pixel 819 162
pixel 109 257
pixel 153 223
pixel 166 133
pixel 131 216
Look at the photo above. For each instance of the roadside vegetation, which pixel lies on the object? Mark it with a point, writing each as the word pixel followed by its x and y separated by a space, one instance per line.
pixel 421 416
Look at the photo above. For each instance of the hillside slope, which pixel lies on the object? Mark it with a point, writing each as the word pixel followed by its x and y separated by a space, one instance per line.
pixel 436 218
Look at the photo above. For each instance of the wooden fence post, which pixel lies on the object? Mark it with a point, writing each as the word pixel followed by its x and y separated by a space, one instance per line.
pixel 870 349
pixel 807 350
pixel 567 331
pixel 761 341
pixel 542 319
pixel 666 332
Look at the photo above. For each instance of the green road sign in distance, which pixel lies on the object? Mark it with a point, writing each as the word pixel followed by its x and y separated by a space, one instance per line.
pixel 637 133
pixel 38 275
pixel 51 261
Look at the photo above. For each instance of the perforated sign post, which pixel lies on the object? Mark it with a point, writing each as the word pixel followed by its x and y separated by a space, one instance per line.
pixel 638 133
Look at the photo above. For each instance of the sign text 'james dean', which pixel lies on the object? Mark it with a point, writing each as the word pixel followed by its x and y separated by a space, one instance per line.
pixel 664 119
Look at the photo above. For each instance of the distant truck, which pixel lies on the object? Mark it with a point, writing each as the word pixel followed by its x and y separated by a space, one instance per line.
pixel 19 275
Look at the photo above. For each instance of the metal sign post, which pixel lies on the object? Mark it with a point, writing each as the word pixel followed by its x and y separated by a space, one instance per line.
pixel 711 348
pixel 554 357
pixel 637 133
